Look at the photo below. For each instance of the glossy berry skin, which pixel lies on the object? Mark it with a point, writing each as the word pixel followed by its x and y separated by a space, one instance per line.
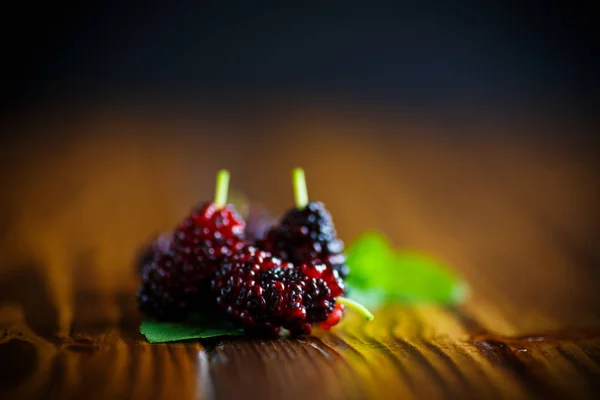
pixel 334 318
pixel 307 236
pixel 266 294
pixel 207 236
pixel 209 222
pixel 178 278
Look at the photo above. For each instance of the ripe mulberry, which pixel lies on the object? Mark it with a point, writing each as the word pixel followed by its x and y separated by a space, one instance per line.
pixel 178 279
pixel 267 294
pixel 208 235
pixel 308 235
pixel 167 287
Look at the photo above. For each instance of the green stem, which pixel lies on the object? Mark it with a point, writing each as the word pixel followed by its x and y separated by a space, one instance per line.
pixel 221 188
pixel 356 306
pixel 300 192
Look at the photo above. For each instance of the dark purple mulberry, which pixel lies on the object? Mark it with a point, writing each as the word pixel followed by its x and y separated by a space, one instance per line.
pixel 307 235
pixel 267 294
pixel 168 287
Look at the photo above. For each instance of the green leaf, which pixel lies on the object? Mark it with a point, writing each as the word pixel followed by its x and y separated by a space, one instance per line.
pixel 379 273
pixel 196 327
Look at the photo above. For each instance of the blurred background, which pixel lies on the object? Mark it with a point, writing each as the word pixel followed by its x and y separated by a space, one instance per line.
pixel 464 129
pixel 462 56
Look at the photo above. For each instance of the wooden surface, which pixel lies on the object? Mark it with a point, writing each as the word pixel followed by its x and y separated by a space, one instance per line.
pixel 517 217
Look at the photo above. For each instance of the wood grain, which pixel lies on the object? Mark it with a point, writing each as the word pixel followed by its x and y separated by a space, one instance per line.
pixel 517 217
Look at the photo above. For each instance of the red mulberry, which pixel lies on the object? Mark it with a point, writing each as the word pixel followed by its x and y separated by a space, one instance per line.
pixel 178 280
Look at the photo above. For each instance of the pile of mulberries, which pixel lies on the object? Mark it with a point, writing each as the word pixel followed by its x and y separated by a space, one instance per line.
pixel 286 280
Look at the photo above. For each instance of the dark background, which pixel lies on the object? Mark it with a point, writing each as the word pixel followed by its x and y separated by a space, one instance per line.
pixel 443 57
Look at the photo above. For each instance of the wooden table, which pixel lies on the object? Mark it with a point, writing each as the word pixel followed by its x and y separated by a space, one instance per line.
pixel 517 216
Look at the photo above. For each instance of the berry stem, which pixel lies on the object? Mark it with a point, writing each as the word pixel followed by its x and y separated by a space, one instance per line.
pixel 356 306
pixel 221 188
pixel 300 192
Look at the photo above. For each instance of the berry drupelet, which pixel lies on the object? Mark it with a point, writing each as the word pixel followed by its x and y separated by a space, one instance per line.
pixel 306 234
pixel 267 294
pixel 178 278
